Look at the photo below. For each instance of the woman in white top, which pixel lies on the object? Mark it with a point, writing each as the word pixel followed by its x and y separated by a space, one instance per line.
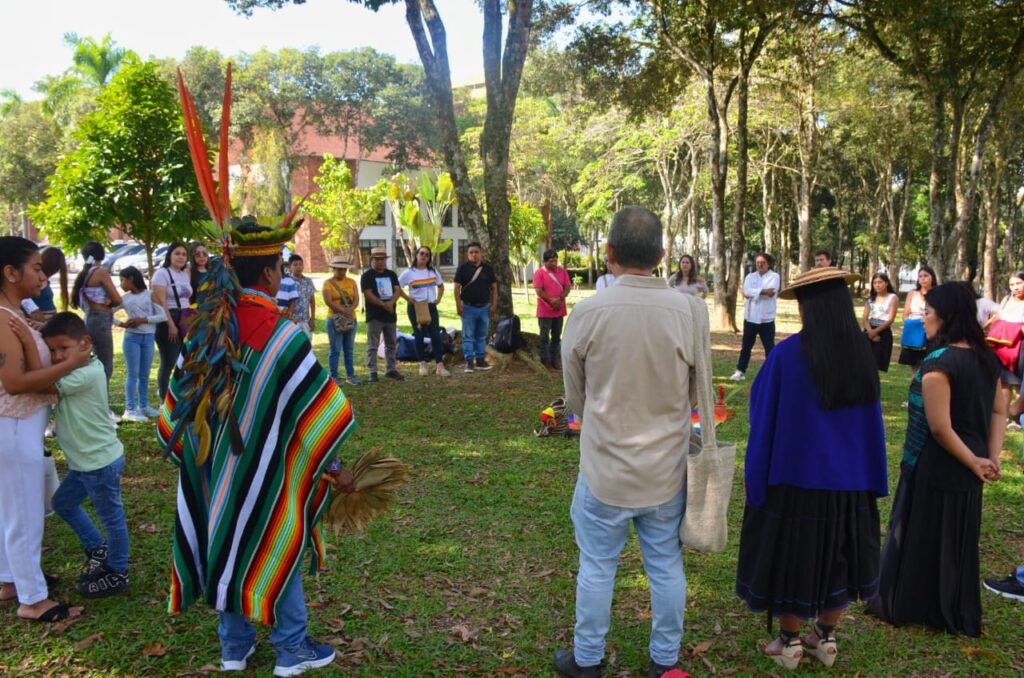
pixel 879 314
pixel 172 289
pixel 913 310
pixel 686 279
pixel 425 286
pixel 139 330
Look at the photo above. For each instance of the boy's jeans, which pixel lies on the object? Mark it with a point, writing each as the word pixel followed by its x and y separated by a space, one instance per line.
pixel 341 343
pixel 103 487
pixel 601 532
pixel 138 361
pixel 475 321
pixel 237 634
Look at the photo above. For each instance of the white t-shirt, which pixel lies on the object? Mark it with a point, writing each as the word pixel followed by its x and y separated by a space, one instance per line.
pixel 422 283
pixel 878 310
pixel 179 282
pixel 605 281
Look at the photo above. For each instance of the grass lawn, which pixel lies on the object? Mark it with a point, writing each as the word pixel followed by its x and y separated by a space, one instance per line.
pixel 473 572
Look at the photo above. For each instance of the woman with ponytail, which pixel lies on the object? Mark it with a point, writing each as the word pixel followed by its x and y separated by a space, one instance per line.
pixel 94 292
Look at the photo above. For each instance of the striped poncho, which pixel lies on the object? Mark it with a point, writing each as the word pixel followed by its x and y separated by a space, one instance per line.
pixel 243 522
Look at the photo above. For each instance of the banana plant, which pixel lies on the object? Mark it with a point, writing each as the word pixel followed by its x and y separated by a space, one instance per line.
pixel 420 211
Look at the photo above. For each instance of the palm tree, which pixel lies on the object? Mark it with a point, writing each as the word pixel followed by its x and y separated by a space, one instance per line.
pixel 93 64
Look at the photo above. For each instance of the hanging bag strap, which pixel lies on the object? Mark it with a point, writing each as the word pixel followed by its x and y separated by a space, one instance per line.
pixel 475 276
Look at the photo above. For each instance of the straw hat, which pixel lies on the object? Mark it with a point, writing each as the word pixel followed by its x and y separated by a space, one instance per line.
pixel 815 276
pixel 378 252
pixel 341 262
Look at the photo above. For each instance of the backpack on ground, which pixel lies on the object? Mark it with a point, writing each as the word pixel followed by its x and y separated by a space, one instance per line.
pixel 508 337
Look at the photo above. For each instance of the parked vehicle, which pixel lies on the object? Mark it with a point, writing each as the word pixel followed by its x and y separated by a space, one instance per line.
pixel 113 256
pixel 139 261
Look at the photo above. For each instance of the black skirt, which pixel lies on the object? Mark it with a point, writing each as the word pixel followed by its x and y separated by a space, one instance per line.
pixel 911 356
pixel 930 570
pixel 882 349
pixel 805 552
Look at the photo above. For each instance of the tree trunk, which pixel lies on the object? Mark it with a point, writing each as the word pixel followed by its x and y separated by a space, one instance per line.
pixel 935 207
pixel 738 234
pixel 949 261
pixel 725 305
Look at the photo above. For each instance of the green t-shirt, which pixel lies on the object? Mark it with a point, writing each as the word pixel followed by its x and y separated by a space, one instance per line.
pixel 84 429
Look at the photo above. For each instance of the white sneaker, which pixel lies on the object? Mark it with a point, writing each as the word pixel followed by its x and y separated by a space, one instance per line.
pixel 442 371
pixel 114 418
pixel 737 376
pixel 424 369
pixel 134 415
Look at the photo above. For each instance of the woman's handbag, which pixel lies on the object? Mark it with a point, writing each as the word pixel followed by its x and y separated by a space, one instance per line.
pixel 422 313
pixel 343 324
pixel 913 334
pixel 1004 339
pixel 710 466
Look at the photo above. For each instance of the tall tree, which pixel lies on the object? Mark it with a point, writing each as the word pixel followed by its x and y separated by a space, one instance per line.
pixel 29 143
pixel 130 168
pixel 93 63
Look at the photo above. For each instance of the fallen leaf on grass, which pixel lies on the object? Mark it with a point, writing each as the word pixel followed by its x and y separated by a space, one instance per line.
pixel 150 528
pixel 711 667
pixel 87 642
pixel 155 650
pixel 60 627
pixel 545 573
pixel 509 670
pixel 463 633
pixel 701 647
pixel 978 652
pixel 208 668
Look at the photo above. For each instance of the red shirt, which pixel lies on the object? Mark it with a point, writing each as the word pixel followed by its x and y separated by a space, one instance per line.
pixel 542 280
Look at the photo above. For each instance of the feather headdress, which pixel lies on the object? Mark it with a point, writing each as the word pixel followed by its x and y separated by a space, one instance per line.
pixel 210 358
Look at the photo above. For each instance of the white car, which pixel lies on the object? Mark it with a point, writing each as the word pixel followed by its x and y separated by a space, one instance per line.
pixel 138 260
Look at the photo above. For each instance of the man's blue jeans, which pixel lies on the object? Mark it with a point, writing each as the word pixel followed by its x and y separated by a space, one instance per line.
pixel 475 322
pixel 138 362
pixel 341 343
pixel 237 634
pixel 601 532
pixel 103 487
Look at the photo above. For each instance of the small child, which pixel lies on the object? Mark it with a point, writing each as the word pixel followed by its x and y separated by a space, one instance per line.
pixel 139 335
pixel 95 457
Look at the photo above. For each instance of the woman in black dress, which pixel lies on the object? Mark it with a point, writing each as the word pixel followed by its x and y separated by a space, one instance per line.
pixel 956 422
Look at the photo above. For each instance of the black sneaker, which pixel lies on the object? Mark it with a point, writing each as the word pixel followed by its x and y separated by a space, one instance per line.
pixel 656 670
pixel 394 374
pixel 1007 588
pixel 373 377
pixel 469 366
pixel 105 584
pixel 565 665
pixel 95 561
pixel 482 364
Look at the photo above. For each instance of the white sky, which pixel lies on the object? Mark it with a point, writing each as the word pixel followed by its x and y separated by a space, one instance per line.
pixel 32 31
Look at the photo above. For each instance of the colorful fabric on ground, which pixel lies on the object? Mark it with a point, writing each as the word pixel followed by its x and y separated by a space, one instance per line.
pixel 243 522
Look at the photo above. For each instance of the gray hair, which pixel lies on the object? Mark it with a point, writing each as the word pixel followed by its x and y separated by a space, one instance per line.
pixel 635 237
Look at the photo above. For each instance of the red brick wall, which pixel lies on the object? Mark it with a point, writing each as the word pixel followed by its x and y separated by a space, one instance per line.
pixel 307 240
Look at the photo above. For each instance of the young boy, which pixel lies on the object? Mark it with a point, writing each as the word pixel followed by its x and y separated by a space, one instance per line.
pixel 95 458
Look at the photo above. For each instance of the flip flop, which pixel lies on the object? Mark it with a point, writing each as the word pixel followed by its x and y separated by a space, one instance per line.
pixel 51 579
pixel 58 612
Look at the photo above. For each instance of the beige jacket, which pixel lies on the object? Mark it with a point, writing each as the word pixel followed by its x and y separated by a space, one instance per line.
pixel 634 358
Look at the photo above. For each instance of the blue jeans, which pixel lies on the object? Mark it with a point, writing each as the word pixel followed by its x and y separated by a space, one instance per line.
pixel 421 332
pixel 103 487
pixel 237 634
pixel 475 322
pixel 601 532
pixel 341 343
pixel 138 362
pixel 751 331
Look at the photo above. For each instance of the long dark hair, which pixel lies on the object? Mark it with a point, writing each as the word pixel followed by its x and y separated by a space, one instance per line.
pixel 872 295
pixel 930 271
pixel 90 249
pixel 15 251
pixel 956 306
pixel 430 258
pixel 829 330
pixel 53 261
pixel 692 278
pixel 135 275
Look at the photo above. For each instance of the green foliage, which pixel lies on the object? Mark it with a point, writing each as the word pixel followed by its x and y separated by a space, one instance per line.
pixel 421 210
pixel 526 233
pixel 130 168
pixel 340 206
pixel 29 142
pixel 264 186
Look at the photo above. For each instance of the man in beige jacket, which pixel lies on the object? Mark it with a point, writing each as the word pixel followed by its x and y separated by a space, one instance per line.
pixel 630 356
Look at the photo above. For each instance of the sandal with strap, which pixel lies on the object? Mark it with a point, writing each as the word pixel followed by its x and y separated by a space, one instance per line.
pixel 789 656
pixel 821 646
pixel 58 612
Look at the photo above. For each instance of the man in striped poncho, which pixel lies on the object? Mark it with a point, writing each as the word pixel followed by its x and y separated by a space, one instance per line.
pixel 244 522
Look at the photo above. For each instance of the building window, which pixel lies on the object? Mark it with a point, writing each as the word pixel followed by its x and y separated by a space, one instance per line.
pixel 447 257
pixel 463 247
pixel 400 261
pixel 446 222
pixel 365 246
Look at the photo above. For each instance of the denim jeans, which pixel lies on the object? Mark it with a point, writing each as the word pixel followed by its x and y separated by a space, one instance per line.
pixel 169 351
pixel 341 343
pixel 421 332
pixel 550 340
pixel 99 324
pixel 751 331
pixel 237 634
pixel 475 322
pixel 138 362
pixel 601 532
pixel 374 330
pixel 103 487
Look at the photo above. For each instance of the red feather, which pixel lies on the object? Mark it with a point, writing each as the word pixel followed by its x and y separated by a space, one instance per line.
pixel 291 215
pixel 222 169
pixel 197 149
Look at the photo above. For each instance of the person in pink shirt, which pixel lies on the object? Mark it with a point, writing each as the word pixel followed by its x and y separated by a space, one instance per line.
pixel 552 284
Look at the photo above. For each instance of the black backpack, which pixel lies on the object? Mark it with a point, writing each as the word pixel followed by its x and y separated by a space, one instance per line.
pixel 508 338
